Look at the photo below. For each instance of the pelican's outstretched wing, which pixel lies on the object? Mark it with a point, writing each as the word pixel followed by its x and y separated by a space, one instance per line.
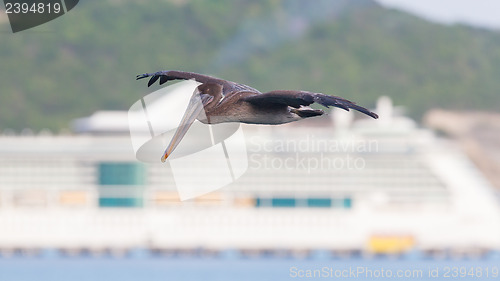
pixel 167 75
pixel 302 98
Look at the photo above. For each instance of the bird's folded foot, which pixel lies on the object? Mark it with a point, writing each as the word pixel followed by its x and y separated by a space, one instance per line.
pixel 306 112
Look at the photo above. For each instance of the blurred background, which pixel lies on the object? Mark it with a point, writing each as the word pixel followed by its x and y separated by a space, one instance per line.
pixel 417 189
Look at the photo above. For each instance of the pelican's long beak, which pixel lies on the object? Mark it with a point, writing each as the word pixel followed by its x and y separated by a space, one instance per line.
pixel 192 112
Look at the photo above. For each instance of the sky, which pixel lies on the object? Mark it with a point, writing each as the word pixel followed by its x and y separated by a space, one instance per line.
pixel 482 13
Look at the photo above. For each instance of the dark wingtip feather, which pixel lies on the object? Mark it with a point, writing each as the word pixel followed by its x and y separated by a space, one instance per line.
pixel 163 79
pixel 141 76
pixel 153 80
pixel 345 104
pixel 364 110
pixel 339 105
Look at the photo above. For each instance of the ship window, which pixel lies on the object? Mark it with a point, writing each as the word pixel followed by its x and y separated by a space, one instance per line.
pixel 121 173
pixel 120 202
pixel 347 203
pixel 258 202
pixel 283 202
pixel 319 202
pixel 121 184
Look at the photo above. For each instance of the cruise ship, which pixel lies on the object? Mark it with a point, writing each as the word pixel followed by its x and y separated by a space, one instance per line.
pixel 335 183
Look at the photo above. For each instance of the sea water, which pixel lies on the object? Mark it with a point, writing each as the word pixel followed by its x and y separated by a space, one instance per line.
pixel 142 265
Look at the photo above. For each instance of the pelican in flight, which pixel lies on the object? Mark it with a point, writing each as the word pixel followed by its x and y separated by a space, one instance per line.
pixel 226 101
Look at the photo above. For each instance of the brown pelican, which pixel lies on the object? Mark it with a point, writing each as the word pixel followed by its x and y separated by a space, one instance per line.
pixel 226 101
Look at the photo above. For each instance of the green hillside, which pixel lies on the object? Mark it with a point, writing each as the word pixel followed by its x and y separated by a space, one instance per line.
pixel 87 60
